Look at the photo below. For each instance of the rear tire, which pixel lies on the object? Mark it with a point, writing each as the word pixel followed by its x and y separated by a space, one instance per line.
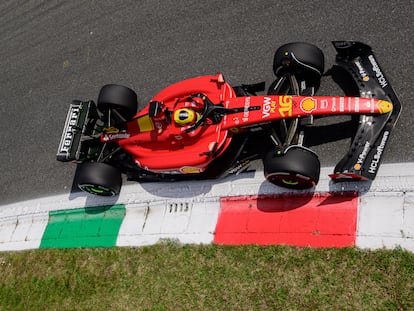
pixel 304 60
pixel 298 168
pixel 99 179
pixel 120 99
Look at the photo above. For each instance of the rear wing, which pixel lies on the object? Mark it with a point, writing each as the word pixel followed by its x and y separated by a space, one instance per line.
pixel 365 154
pixel 80 123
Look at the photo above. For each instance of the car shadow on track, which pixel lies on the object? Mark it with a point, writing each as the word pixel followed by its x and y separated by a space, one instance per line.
pixel 284 200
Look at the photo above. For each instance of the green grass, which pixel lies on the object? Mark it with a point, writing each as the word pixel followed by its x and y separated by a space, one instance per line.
pixel 174 277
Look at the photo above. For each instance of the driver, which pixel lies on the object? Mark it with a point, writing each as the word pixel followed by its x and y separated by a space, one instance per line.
pixel 188 112
pixel 186 116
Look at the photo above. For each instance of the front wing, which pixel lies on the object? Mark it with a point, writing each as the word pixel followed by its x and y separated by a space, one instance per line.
pixel 365 154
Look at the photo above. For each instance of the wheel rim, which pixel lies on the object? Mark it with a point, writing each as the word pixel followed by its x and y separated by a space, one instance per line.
pixel 97 189
pixel 293 181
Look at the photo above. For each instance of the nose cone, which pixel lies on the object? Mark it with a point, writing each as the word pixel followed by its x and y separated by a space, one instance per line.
pixel 384 106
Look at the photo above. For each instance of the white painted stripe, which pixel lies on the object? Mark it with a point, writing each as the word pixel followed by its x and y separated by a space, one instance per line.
pixel 22 232
pixel 386 220
pixel 184 221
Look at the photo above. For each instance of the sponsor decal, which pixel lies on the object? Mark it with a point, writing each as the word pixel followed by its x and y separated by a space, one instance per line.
pixel 341 104
pixel 267 104
pixel 108 137
pixel 324 104
pixel 308 104
pixel 356 103
pixel 70 130
pixel 239 167
pixel 362 71
pixel 362 156
pixel 246 109
pixel 333 109
pixel 285 103
pixel 285 106
pixel 378 73
pixel 377 157
pixel 190 170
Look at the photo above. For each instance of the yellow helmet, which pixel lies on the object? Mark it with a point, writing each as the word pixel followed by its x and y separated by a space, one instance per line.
pixel 185 116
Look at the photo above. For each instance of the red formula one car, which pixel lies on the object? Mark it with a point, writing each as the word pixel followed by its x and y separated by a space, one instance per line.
pixel 205 128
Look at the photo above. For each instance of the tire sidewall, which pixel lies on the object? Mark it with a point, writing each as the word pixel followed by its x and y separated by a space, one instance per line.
pixel 311 61
pixel 298 164
pixel 120 98
pixel 99 178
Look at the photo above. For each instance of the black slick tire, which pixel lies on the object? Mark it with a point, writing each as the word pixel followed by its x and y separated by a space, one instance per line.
pixel 99 179
pixel 120 99
pixel 298 168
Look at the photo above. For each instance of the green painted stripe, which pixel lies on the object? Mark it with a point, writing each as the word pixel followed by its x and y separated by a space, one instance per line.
pixel 83 227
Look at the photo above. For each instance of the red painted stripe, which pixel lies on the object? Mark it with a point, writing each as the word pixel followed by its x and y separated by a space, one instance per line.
pixel 318 220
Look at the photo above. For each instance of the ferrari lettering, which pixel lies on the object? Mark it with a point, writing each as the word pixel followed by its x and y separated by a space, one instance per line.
pixel 67 142
pixel 380 76
pixel 377 157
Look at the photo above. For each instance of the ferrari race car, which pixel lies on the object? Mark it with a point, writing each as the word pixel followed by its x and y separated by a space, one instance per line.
pixel 204 128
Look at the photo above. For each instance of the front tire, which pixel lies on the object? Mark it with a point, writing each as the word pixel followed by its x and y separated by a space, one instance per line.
pixel 304 60
pixel 298 168
pixel 99 179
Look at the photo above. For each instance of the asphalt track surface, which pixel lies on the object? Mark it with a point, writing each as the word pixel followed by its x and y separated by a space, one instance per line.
pixel 54 51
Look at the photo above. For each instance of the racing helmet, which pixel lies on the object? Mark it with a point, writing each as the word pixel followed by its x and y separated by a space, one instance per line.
pixel 186 116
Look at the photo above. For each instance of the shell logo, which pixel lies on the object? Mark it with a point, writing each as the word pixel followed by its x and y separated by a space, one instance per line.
pixel 308 104
pixel 384 106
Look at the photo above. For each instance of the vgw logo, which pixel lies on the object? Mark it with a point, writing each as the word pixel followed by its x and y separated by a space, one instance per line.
pixel 270 106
